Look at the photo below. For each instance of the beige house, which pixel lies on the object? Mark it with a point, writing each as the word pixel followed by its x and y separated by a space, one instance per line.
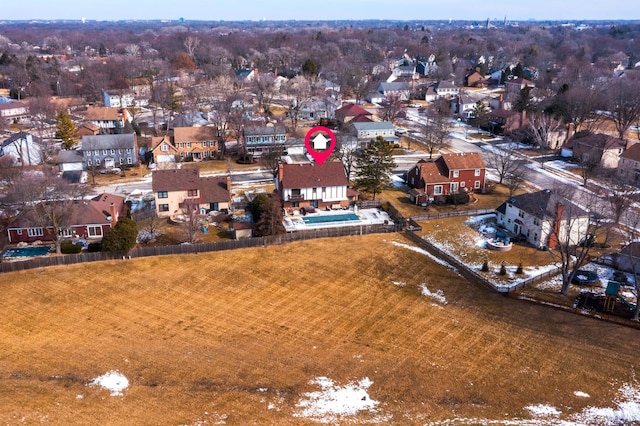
pixel 629 164
pixel 173 188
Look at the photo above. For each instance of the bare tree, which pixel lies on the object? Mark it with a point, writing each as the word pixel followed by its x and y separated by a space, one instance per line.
pixel 632 234
pixel 43 113
pixel 191 44
pixel 436 131
pixel 516 177
pixel 619 199
pixel 391 107
pixel 589 164
pixel 506 162
pixel 272 159
pixel 298 92
pixel 49 202
pixel 346 150
pixel 265 90
pixel 624 105
pixel 574 230
pixel 542 128
pixel 190 211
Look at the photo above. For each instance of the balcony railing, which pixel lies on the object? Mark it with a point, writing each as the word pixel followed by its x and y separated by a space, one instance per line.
pixel 299 197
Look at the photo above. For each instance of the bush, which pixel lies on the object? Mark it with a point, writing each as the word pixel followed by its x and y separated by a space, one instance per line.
pixel 458 198
pixel 67 247
pixel 485 266
pixel 94 247
pixel 519 271
pixel 245 159
pixel 503 270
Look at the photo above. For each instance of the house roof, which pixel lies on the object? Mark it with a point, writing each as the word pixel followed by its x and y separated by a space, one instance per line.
pixel 374 125
pixel 15 137
pixel 351 110
pixel 194 134
pixel 264 130
pixel 73 156
pixel 156 141
pixel 103 114
pixel 632 249
pixel 118 141
pixel 311 175
pixel 445 84
pixel 102 203
pixel 633 153
pixel 597 141
pixel 393 86
pixel 432 172
pixel 214 189
pixel 463 161
pixel 542 204
pixel 175 180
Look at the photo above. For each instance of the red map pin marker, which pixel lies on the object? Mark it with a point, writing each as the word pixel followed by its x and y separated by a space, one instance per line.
pixel 318 145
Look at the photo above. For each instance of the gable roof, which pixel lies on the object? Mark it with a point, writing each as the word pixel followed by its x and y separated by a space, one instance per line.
pixel 542 204
pixel 103 114
pixel 264 130
pixel 175 180
pixel 351 110
pixel 374 125
pixel 311 175
pixel 597 141
pixel 463 161
pixel 393 86
pixel 117 141
pixel 194 134
pixel 633 153
pixel 102 203
pixel 431 172
pixel 214 189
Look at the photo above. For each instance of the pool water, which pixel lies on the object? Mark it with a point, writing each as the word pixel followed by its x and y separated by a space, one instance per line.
pixel 345 217
pixel 26 251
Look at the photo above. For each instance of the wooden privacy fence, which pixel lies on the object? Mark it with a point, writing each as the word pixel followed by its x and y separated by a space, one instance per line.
pixel 454 213
pixel 70 259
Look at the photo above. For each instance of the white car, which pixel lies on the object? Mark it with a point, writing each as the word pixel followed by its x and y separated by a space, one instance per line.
pixel 401 131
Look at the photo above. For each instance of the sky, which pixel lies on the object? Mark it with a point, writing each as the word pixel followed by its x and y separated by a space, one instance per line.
pixel 232 10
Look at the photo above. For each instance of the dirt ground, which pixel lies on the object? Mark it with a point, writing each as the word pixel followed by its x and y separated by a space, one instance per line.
pixel 236 337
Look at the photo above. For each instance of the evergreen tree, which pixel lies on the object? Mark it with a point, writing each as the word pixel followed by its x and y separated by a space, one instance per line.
pixel 310 68
pixel 267 215
pixel 65 130
pixel 121 238
pixel 375 166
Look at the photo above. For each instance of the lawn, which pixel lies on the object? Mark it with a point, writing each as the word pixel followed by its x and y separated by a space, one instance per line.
pixel 246 337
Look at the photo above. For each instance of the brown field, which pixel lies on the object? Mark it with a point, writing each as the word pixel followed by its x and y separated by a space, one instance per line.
pixel 237 336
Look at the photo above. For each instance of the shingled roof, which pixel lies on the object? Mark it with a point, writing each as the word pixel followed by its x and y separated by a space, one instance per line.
pixel 311 175
pixel 542 204
pixel 463 161
pixel 175 180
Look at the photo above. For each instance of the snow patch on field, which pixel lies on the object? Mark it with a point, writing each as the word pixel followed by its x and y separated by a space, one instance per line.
pixel 333 403
pixel 113 381
pixel 423 251
pixel 438 295
pixel 543 410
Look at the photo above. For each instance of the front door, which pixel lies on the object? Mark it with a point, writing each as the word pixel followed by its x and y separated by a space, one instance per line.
pixel 516 229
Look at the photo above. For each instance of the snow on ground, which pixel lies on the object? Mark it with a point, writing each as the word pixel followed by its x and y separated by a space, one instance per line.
pixel 333 403
pixel 437 295
pixel 423 251
pixel 113 381
pixel 625 412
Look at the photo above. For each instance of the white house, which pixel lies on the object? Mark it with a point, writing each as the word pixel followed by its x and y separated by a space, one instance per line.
pixel 367 131
pixel 544 218
pixel 118 100
pixel 23 148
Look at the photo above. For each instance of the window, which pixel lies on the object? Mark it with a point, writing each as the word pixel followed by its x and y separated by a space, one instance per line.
pixel 182 155
pixel 104 152
pixel 113 152
pixel 437 190
pixel 121 161
pixel 456 173
pixel 476 184
pixel 181 145
pixel 163 207
pixel 536 222
pixel 18 231
pixel 128 150
pixel 462 184
pixel 204 144
pixel 521 214
pixel 454 186
pixel 89 163
pixel 163 194
pixel 192 193
pixel 97 161
pixel 94 231
pixel 129 160
pixel 477 172
pixel 164 147
pixel 96 152
pixel 188 144
pixel 35 232
pixel 64 232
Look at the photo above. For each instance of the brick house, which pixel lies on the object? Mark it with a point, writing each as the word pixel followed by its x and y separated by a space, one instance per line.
pixel 173 187
pixel 310 185
pixel 448 174
pixel 90 219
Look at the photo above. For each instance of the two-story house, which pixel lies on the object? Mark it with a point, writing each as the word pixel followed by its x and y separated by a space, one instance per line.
pixel 108 119
pixel 367 131
pixel 118 99
pixel 14 111
pixel 544 218
pixel 108 151
pixel 397 89
pixel 311 185
pixel 199 143
pixel 629 165
pixel 448 174
pixel 262 139
pixel 89 219
pixel 175 187
pixel 24 148
pixel 601 149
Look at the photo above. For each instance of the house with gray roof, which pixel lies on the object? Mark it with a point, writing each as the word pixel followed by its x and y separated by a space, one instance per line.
pixel 543 218
pixel 109 151
pixel 398 89
pixel 262 139
pixel 367 131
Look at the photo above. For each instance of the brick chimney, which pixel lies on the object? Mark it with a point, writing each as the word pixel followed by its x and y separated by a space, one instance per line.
pixel 557 222
pixel 114 214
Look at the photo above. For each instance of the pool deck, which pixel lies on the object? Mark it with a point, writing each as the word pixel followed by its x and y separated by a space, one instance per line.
pixel 367 217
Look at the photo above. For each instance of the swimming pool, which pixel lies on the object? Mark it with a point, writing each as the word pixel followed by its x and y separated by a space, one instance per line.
pixel 343 217
pixel 26 251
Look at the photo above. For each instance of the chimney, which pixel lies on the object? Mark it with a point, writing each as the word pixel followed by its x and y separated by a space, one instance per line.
pixel 500 101
pixel 553 238
pixel 114 214
pixel 280 174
